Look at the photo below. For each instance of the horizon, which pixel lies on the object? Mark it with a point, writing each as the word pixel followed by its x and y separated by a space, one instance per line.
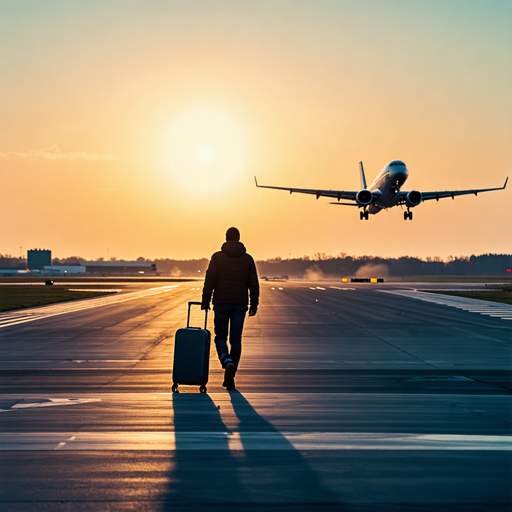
pixel 142 127
pixel 315 258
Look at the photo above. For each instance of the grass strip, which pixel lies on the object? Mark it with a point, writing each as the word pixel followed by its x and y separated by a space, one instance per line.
pixel 505 297
pixel 20 297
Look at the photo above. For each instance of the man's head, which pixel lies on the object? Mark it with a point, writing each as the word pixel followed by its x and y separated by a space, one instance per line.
pixel 232 234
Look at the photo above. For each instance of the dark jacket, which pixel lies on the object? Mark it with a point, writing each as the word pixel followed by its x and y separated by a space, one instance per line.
pixel 231 273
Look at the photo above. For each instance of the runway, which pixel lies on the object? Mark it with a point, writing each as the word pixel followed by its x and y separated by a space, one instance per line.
pixel 347 398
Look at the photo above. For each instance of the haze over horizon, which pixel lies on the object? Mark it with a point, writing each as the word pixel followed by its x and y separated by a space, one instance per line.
pixel 138 127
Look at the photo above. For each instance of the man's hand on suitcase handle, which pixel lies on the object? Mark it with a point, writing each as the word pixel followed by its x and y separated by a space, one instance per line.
pixel 205 306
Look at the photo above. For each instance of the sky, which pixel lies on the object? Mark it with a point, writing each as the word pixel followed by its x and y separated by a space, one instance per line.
pixel 136 127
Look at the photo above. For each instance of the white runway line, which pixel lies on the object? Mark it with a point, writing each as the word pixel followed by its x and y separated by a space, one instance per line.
pixel 338 288
pixel 482 307
pixel 250 441
pixel 28 315
pixel 52 402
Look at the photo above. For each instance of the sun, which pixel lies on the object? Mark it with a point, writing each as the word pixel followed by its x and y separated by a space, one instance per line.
pixel 204 154
pixel 204 150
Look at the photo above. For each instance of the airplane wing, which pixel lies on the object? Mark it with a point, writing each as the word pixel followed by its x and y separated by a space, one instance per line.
pixel 452 193
pixel 336 194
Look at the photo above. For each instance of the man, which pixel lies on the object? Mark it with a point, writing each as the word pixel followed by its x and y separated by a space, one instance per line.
pixel 231 273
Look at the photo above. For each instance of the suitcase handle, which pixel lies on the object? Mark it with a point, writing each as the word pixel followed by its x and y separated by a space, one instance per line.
pixel 205 313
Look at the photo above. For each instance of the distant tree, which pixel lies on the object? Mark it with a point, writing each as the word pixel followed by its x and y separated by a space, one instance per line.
pixel 70 260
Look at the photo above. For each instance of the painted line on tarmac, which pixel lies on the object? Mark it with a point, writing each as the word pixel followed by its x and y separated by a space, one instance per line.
pixel 482 307
pixel 51 402
pixel 87 441
pixel 29 315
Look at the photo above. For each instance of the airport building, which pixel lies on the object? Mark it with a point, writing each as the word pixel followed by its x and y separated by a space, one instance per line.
pixel 37 259
pixel 64 269
pixel 119 268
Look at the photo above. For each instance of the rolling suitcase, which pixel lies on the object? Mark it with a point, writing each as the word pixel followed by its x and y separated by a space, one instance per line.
pixel 191 355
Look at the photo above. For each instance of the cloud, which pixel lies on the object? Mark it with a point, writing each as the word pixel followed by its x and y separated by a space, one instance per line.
pixel 54 153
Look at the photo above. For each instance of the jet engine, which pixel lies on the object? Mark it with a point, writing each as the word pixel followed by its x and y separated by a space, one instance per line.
pixel 413 198
pixel 364 197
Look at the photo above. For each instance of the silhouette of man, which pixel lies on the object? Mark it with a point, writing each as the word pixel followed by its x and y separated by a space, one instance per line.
pixel 230 275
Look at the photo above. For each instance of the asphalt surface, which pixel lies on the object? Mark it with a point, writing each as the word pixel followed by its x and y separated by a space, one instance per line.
pixel 350 399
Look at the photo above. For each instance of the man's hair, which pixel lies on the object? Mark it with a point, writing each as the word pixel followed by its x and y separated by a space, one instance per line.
pixel 232 234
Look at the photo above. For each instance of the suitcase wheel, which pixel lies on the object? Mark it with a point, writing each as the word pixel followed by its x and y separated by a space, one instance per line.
pixel 202 389
pixel 175 388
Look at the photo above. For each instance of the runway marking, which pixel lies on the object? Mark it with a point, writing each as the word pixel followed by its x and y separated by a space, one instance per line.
pixel 52 402
pixel 319 288
pixel 95 290
pixel 250 441
pixel 338 288
pixel 29 315
pixel 482 307
pixel 63 443
pixel 38 361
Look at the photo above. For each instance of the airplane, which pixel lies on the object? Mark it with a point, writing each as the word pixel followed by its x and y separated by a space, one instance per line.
pixel 384 192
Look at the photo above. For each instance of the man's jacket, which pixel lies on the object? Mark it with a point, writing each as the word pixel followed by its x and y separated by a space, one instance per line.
pixel 230 275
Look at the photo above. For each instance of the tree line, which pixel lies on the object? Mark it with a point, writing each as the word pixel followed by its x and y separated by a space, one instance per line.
pixel 323 265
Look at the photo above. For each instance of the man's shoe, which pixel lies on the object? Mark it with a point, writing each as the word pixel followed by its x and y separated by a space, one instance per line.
pixel 231 385
pixel 229 374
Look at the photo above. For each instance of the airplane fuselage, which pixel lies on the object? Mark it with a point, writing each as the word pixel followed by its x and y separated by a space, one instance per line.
pixel 386 186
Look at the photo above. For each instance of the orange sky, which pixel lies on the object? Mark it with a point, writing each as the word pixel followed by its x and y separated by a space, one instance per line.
pixel 100 101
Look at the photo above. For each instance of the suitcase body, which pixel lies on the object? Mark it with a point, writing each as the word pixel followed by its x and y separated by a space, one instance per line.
pixel 191 355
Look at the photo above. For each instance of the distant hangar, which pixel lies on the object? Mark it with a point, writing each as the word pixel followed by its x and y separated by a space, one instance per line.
pixel 123 268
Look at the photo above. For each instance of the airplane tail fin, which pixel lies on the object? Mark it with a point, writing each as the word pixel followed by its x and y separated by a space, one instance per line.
pixel 363 179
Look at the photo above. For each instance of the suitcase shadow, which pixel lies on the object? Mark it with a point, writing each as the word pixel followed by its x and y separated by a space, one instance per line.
pixel 201 477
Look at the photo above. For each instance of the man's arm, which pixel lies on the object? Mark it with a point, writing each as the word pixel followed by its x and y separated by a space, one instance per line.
pixel 209 283
pixel 254 289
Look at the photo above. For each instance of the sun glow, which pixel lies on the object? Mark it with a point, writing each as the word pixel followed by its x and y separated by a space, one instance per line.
pixel 204 150
pixel 205 154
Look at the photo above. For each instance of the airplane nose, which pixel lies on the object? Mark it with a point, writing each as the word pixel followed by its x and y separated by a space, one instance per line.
pixel 400 175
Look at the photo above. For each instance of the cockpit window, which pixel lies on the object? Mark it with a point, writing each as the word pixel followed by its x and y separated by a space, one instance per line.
pixel 396 162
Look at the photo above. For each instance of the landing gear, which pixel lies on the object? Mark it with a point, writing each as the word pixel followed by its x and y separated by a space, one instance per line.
pixel 202 389
pixel 363 215
pixel 407 215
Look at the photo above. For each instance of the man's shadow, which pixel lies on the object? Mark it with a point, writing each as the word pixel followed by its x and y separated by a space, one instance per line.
pixel 219 468
pixel 278 474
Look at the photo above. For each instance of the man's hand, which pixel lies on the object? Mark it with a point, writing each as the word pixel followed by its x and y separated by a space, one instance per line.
pixel 205 306
pixel 253 310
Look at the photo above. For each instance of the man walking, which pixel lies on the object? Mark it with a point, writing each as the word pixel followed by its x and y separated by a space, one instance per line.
pixel 230 275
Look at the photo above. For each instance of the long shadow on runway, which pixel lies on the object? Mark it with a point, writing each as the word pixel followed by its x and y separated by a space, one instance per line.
pixel 238 479
pixel 281 476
